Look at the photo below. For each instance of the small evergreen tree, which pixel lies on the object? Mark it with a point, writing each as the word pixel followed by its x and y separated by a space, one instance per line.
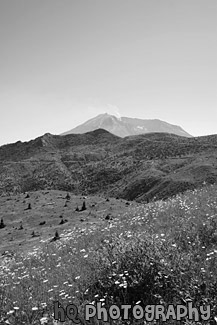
pixel 29 207
pixel 21 226
pixel 67 196
pixel 83 206
pixel 57 235
pixel 2 225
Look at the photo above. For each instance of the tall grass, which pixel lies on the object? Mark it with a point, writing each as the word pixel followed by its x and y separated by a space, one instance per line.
pixel 163 252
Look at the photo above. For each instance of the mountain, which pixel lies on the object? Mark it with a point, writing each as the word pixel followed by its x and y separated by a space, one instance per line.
pixel 125 126
pixel 141 167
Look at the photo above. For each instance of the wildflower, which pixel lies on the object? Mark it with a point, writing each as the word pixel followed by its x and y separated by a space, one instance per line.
pixel 7 321
pixel 10 312
pixel 43 320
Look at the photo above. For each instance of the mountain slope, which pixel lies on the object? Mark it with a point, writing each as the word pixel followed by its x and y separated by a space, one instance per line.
pixel 125 126
pixel 142 167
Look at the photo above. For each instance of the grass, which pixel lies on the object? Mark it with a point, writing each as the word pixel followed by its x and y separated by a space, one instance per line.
pixel 50 211
pixel 164 252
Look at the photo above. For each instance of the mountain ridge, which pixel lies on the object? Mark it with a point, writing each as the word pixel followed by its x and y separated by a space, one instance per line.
pixel 126 126
pixel 141 167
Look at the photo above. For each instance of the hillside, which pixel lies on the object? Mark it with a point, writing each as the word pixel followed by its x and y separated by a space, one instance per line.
pixel 126 126
pixel 32 219
pixel 161 253
pixel 142 168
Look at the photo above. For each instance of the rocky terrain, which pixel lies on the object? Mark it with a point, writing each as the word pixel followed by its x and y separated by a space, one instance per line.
pixel 142 168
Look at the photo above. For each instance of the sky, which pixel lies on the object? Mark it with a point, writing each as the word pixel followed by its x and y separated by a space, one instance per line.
pixel 63 62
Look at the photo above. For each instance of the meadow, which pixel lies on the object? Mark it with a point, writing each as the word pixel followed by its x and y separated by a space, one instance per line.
pixel 163 252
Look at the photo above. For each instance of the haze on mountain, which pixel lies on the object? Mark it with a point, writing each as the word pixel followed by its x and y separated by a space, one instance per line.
pixel 126 126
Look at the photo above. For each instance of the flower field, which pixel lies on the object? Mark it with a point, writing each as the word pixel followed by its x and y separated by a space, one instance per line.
pixel 164 252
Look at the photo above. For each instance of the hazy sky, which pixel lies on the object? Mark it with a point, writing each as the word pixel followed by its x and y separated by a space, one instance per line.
pixel 65 61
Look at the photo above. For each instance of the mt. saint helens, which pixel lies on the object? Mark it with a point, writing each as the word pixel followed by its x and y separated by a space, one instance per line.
pixel 125 126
